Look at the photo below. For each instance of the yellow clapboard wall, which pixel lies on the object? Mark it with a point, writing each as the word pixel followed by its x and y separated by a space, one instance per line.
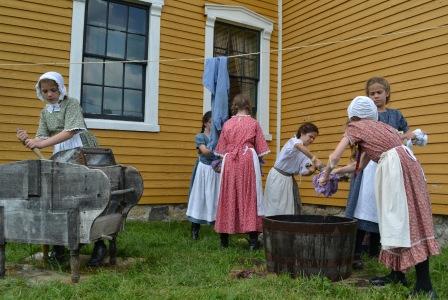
pixel 335 46
pixel 38 31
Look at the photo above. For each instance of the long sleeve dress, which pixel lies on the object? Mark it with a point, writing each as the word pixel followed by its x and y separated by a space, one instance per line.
pixel 379 141
pixel 241 195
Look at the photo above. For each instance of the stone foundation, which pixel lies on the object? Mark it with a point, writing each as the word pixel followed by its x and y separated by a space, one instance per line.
pixel 177 213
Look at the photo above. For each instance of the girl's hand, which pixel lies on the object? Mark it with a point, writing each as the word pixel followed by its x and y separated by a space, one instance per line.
pixel 311 169
pixel 324 178
pixel 409 135
pixel 336 170
pixel 318 164
pixel 33 143
pixel 21 134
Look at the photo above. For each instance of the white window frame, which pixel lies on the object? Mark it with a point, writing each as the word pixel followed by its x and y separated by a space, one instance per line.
pixel 151 109
pixel 244 17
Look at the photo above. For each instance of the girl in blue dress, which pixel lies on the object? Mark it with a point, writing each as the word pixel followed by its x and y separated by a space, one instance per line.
pixel 203 197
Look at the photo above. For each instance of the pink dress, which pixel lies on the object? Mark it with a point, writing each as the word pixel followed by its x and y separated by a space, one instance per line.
pixel 374 139
pixel 237 204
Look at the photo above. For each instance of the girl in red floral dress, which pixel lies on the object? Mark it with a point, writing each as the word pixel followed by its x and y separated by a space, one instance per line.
pixel 400 191
pixel 241 144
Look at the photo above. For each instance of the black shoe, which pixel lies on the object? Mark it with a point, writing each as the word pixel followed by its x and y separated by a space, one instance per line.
pixel 224 237
pixel 195 227
pixel 57 254
pixel 388 279
pixel 98 254
pixel 253 241
pixel 358 264
pixel 429 294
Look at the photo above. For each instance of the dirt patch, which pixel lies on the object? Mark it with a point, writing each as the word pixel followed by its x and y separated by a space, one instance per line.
pixel 36 270
pixel 256 267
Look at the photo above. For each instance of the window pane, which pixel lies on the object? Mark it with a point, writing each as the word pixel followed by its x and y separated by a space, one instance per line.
pixel 133 76
pixel 91 99
pixel 136 47
pixel 116 44
pixel 112 101
pixel 237 42
pixel 113 74
pixel 133 103
pixel 96 13
pixel 249 88
pixel 137 20
pixel 235 66
pixel 118 16
pixel 95 40
pixel 93 72
pixel 221 39
pixel 251 44
pixel 250 67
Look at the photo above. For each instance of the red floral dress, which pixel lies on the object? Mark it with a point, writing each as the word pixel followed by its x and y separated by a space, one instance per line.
pixel 375 138
pixel 237 204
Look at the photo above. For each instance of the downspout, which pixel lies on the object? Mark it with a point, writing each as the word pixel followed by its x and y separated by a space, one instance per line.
pixel 279 77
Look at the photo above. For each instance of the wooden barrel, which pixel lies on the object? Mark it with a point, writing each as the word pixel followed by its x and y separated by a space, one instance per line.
pixel 304 245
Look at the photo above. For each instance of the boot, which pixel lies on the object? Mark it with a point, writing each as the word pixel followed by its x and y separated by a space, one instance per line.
pixel 57 254
pixel 374 244
pixel 253 241
pixel 195 227
pixel 98 254
pixel 224 240
pixel 393 277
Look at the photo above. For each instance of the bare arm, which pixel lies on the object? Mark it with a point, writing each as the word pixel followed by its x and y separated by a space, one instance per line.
pixel 333 159
pixel 51 141
pixel 204 150
pixel 350 168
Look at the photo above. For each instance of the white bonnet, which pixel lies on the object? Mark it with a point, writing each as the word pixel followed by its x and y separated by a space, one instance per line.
pixel 55 76
pixel 363 107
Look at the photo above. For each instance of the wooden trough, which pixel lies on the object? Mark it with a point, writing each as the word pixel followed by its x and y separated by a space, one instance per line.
pixel 77 197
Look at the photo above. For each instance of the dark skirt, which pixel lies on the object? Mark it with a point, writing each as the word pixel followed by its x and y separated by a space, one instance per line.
pixel 352 201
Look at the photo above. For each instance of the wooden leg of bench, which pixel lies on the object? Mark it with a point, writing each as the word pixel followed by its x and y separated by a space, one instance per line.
pixel 74 265
pixel 45 251
pixel 113 251
pixel 2 260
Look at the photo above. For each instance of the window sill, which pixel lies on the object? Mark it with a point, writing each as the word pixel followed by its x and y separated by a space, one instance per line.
pixel 121 125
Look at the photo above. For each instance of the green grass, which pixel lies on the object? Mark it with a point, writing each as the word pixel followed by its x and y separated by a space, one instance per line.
pixel 175 267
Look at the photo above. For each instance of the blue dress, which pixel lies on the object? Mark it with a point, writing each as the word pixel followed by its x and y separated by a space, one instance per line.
pixel 204 187
pixel 394 118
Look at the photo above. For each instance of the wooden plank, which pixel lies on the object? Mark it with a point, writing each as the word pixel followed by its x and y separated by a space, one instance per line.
pixel 362 19
pixel 36 32
pixel 55 9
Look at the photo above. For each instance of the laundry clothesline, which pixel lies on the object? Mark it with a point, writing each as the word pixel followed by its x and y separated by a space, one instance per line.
pixel 361 38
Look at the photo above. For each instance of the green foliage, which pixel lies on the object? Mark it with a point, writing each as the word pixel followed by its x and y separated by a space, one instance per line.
pixel 175 267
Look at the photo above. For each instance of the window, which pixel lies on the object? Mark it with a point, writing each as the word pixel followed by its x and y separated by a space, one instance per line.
pixel 232 40
pixel 114 93
pixel 251 74
pixel 114 32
